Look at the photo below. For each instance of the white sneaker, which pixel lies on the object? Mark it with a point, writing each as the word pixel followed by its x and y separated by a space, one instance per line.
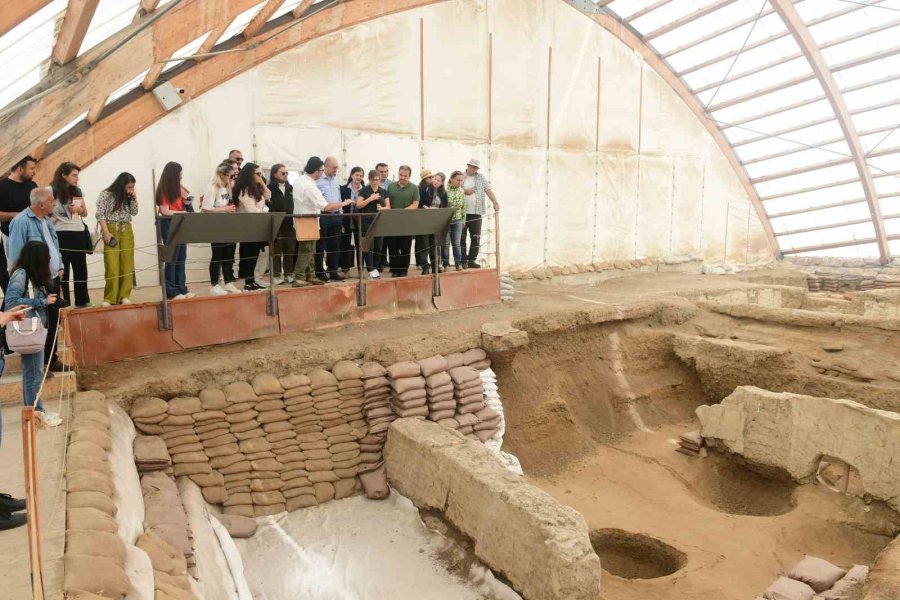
pixel 374 274
pixel 261 283
pixel 126 300
pixel 190 295
pixel 217 290
pixel 229 287
pixel 289 279
pixel 180 297
pixel 278 281
pixel 50 419
pixel 105 303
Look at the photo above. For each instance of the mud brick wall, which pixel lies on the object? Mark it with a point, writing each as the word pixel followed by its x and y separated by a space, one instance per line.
pixel 284 443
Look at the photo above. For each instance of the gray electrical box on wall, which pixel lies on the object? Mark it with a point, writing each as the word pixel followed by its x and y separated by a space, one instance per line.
pixel 168 96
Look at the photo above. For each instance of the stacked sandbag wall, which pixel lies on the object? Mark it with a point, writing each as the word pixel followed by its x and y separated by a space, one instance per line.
pixel 95 554
pixel 273 444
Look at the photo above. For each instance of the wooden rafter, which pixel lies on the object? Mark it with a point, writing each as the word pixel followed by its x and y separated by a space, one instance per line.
pixel 823 227
pixel 74 27
pixel 646 10
pixel 27 127
pixel 809 209
pixel 302 8
pixel 804 39
pixel 697 14
pixel 14 13
pixel 630 39
pixel 261 18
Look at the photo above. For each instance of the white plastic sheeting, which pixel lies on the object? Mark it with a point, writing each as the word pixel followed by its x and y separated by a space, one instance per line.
pixel 214 577
pixel 358 549
pixel 626 170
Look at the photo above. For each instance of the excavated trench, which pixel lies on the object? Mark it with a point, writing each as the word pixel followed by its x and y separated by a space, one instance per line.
pixel 594 415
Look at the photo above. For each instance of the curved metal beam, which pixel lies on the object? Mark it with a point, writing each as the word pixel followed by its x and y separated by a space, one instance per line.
pixel 810 49
pixel 633 41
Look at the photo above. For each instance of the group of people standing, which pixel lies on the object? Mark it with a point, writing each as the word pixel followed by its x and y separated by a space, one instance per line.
pixel 239 187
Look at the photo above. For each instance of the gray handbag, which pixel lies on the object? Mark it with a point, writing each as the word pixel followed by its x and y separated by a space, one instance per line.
pixel 28 335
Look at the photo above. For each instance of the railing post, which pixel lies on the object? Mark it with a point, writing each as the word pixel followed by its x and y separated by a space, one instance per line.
pixel 29 457
pixel 163 311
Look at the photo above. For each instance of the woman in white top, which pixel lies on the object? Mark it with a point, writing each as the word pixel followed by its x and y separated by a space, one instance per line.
pixel 218 199
pixel 252 197
pixel 68 215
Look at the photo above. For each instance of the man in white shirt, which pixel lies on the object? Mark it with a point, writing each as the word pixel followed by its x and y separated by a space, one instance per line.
pixel 308 200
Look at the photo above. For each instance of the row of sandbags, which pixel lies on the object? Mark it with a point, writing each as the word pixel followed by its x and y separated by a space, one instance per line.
pixel 95 554
pixel 272 444
pixel 164 514
pixel 261 447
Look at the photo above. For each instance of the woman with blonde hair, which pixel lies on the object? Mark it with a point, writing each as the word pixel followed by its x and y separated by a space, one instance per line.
pixel 218 199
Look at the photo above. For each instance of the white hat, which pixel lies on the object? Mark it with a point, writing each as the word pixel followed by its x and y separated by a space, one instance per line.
pixel 473 162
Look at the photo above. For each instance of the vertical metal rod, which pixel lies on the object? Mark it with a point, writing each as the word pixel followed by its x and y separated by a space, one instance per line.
pixel 490 97
pixel 164 311
pixel 435 264
pixel 272 300
pixel 360 262
pixel 421 79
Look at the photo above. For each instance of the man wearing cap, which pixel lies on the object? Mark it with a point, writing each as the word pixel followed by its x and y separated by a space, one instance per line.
pixel 424 242
pixel 476 187
pixel 403 195
pixel 308 200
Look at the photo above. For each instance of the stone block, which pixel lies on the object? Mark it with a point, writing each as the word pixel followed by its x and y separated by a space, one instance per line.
pixel 539 545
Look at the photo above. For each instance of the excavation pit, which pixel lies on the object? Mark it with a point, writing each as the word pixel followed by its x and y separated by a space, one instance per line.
pixel 634 555
pixel 737 490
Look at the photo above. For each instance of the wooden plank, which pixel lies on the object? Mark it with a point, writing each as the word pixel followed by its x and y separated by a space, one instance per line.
pixel 15 13
pixel 32 501
pixel 819 65
pixel 302 8
pixel 74 27
pixel 261 18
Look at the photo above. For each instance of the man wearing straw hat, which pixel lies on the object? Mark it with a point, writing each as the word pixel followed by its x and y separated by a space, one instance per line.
pixel 476 187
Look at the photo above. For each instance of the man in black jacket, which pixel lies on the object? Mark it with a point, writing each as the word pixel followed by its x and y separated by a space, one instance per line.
pixel 285 250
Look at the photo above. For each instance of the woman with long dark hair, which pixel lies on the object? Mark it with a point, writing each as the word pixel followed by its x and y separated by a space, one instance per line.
pixel 349 232
pixel 68 215
pixel 30 284
pixel 370 200
pixel 252 194
pixel 116 206
pixel 170 199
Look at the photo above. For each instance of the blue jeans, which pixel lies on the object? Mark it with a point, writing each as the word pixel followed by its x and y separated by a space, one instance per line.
pixel 32 373
pixel 176 280
pixel 454 237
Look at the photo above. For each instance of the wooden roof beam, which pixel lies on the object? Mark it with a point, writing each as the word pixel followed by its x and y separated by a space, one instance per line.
pixel 302 8
pixel 824 227
pixel 15 13
pixel 697 14
pixel 808 46
pixel 803 211
pixel 646 10
pixel 261 18
pixel 74 27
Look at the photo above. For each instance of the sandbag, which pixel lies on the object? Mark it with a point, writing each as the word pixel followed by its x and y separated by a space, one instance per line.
pixel 148 407
pixel 238 527
pixel 346 369
pixel 433 364
pixel 818 574
pixel 239 391
pixel 293 381
pixel 96 543
pixel 90 519
pixel 461 375
pixel 95 500
pixel 184 406
pixel 473 355
pixel 90 481
pixel 372 369
pixel 455 360
pixel 374 483
pixel 320 378
pixel 213 399
pixel 404 369
pixel 95 574
pixel 266 383
pixel 407 384
pixel 789 589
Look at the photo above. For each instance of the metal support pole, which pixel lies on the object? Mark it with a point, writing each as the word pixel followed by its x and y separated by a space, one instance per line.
pixel 163 311
pixel 436 267
pixel 360 262
pixel 272 300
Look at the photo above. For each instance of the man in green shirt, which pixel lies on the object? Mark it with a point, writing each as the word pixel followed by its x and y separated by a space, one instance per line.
pixel 403 195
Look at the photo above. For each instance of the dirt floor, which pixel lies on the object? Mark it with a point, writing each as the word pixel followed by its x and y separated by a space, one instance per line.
pixel 594 415
pixel 594 406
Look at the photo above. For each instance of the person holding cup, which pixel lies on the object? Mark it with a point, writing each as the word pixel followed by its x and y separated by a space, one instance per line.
pixel 68 215
pixel 116 206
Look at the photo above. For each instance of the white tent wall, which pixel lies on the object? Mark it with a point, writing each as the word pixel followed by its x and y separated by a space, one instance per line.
pixel 583 174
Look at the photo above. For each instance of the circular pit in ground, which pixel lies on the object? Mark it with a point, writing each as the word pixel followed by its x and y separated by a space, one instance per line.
pixel 734 489
pixel 634 555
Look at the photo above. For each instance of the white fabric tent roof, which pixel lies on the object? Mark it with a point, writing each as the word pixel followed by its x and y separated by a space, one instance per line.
pixel 738 57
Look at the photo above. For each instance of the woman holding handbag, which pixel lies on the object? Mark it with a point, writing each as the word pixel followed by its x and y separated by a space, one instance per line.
pixel 75 244
pixel 28 285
